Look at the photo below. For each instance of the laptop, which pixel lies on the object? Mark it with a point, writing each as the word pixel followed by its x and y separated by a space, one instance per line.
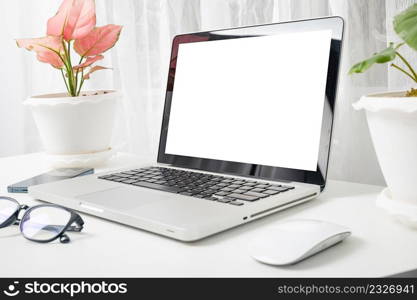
pixel 246 132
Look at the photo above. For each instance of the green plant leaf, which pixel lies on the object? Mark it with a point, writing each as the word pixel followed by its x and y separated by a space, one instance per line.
pixel 405 25
pixel 382 57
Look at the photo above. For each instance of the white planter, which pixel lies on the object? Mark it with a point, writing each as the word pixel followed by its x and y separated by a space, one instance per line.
pixel 392 120
pixel 75 131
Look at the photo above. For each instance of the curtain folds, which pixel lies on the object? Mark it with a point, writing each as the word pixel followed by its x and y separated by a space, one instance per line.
pixel 140 65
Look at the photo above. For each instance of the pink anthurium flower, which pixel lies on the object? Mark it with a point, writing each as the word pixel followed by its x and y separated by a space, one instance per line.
pixel 74 19
pixel 99 40
pixel 48 49
pixel 89 61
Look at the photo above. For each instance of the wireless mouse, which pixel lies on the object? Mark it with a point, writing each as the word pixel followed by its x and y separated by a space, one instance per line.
pixel 292 241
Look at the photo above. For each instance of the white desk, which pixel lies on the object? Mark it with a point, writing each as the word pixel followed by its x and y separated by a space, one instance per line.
pixel 378 247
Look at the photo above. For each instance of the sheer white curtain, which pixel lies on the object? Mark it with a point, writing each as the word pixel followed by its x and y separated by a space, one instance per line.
pixel 140 62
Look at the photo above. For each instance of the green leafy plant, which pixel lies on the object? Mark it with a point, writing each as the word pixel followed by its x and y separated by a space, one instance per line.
pixel 405 25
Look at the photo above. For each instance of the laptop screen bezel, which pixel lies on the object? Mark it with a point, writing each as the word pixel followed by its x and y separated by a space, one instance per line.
pixel 335 24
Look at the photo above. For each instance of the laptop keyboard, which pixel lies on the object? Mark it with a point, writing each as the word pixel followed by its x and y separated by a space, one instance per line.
pixel 233 191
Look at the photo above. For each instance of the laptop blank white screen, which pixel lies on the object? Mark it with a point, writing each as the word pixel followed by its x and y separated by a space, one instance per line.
pixel 256 100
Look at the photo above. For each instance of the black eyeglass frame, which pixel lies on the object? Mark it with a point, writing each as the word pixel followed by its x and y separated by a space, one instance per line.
pixel 63 237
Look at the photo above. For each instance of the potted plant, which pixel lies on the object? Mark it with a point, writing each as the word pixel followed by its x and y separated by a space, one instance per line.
pixel 75 126
pixel 392 120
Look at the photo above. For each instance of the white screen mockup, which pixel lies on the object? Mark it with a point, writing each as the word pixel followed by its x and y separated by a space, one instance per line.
pixel 256 100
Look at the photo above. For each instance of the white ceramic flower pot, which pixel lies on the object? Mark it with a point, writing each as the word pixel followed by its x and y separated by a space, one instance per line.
pixel 392 120
pixel 75 131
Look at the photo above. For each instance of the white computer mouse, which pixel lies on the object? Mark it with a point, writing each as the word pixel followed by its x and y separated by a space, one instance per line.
pixel 292 241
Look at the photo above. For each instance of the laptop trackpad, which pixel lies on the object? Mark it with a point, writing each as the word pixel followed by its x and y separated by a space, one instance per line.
pixel 119 198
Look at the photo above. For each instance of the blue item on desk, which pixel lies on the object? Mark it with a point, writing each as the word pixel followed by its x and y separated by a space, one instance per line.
pixel 51 176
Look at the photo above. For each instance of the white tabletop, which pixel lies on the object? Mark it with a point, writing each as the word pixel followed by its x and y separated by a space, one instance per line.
pixel 378 246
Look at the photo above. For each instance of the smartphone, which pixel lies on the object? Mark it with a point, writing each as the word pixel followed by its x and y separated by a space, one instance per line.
pixel 54 175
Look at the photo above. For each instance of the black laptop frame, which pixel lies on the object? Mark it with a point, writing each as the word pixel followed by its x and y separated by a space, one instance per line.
pixel 335 24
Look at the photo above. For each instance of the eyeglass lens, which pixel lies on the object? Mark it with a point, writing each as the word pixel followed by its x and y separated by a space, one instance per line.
pixel 7 209
pixel 44 223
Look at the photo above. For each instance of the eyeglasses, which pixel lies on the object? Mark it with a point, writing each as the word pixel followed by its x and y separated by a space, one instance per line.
pixel 41 223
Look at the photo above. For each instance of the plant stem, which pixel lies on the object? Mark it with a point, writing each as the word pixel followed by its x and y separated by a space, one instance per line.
pixel 62 72
pixel 414 77
pixel 65 81
pixel 68 68
pixel 72 78
pixel 70 72
pixel 404 71
pixel 66 60
pixel 77 89
pixel 81 82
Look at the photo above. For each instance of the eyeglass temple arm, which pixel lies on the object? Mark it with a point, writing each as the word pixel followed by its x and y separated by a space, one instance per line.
pixel 77 227
pixel 79 224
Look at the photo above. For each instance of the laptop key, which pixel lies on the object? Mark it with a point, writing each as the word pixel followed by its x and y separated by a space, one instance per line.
pixel 223 200
pixel 185 193
pixel 259 195
pixel 246 188
pixel 160 182
pixel 129 181
pixel 271 192
pixel 193 192
pixel 207 194
pixel 155 186
pixel 127 173
pixel 278 188
pixel 124 175
pixel 222 193
pixel 227 180
pixel 118 179
pixel 262 186
pixel 239 182
pixel 243 197
pixel 239 191
pixel 237 203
